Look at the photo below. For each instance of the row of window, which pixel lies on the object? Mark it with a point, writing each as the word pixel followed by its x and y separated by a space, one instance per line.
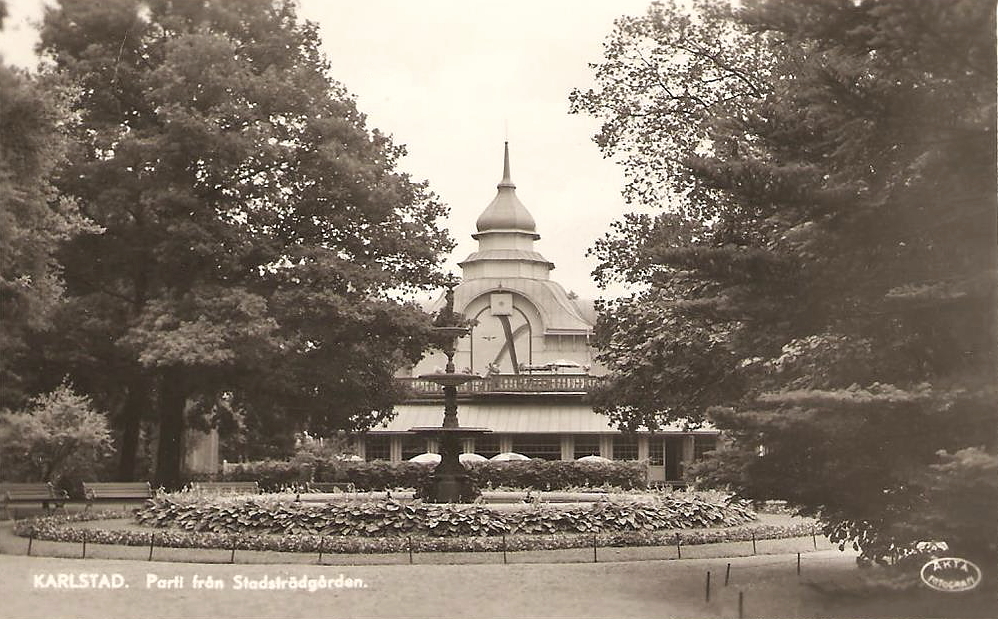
pixel 545 446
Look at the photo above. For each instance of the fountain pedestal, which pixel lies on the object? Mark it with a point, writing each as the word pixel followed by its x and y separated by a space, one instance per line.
pixel 450 482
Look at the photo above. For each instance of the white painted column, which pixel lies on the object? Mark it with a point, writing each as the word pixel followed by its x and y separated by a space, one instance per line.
pixel 505 443
pixel 567 447
pixel 360 447
pixel 606 446
pixel 688 449
pixel 642 447
pixel 395 449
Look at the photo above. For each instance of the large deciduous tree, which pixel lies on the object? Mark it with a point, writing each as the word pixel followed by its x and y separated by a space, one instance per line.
pixel 255 228
pixel 821 283
pixel 35 121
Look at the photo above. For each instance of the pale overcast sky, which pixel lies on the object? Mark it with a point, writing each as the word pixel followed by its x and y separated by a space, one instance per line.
pixel 446 78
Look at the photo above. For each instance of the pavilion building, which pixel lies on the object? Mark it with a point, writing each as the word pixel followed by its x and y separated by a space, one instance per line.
pixel 531 343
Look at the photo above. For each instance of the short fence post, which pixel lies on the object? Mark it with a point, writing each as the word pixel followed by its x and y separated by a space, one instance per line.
pixel 798 564
pixel 707 596
pixel 504 560
pixel 753 542
pixel 321 540
pixel 84 555
pixel 232 557
pixel 31 538
pixel 679 547
pixel 410 550
pixel 814 537
pixel 727 574
pixel 594 547
pixel 152 543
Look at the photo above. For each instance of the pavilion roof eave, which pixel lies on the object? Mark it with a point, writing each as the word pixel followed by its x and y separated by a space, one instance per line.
pixel 517 418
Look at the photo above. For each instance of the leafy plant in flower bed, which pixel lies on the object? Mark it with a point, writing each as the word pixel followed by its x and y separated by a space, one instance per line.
pixel 60 528
pixel 379 475
pixel 392 518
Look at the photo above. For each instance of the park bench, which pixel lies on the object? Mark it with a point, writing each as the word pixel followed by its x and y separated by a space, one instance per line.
pixel 116 491
pixel 43 493
pixel 227 487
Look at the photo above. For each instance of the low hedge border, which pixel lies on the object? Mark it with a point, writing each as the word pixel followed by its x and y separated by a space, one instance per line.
pixel 59 528
pixel 380 475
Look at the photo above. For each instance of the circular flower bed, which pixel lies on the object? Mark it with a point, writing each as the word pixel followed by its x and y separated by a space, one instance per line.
pixel 66 528
pixel 388 518
pixel 186 520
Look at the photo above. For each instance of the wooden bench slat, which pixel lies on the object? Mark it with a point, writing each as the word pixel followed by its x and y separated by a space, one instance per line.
pixel 32 492
pixel 44 493
pixel 117 490
pixel 32 496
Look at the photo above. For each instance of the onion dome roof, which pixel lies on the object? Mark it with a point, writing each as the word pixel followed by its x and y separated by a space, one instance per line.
pixel 506 213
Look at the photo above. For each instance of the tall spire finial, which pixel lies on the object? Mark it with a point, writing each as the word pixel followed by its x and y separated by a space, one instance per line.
pixel 506 180
pixel 506 213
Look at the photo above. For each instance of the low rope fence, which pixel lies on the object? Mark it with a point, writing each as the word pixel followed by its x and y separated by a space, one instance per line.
pixel 604 547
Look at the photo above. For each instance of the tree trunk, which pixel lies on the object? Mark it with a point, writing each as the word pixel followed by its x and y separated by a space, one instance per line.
pixel 140 393
pixel 169 451
pixel 131 414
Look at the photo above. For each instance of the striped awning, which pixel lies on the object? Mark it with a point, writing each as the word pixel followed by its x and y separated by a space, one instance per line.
pixel 517 418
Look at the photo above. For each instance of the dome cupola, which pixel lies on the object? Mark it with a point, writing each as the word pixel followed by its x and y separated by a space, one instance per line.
pixel 506 235
pixel 506 213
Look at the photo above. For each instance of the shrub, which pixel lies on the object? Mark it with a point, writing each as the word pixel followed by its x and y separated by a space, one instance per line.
pixel 377 475
pixel 272 475
pixel 59 437
pixel 381 475
pixel 558 475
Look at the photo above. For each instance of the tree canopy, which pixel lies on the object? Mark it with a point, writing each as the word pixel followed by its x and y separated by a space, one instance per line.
pixel 255 231
pixel 820 280
pixel 35 219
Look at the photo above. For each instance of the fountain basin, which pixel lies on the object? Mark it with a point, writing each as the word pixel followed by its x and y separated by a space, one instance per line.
pixel 450 379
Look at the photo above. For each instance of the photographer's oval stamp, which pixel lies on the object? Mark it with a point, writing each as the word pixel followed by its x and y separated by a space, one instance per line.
pixel 951 574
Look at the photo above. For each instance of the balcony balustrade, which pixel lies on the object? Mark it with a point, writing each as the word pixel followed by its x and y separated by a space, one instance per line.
pixel 509 383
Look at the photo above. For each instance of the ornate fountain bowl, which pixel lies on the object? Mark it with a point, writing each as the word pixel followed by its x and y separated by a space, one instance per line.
pixel 450 379
pixel 452 331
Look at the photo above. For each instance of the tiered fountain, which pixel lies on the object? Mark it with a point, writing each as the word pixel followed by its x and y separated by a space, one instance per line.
pixel 450 482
